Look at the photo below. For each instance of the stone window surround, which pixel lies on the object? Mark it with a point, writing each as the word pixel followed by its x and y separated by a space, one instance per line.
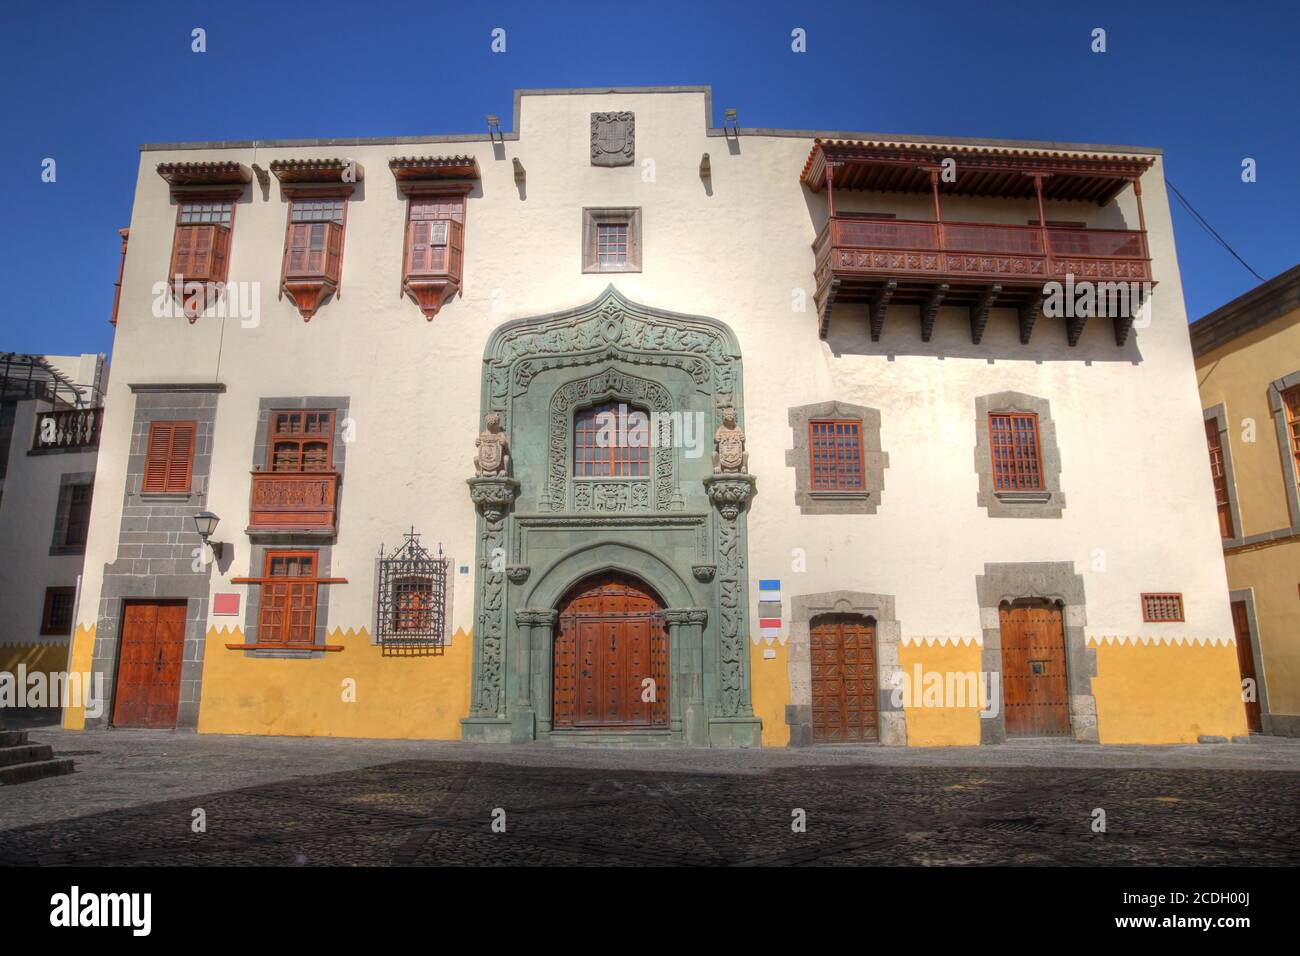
pixel 593 216
pixel 163 522
pixel 1219 415
pixel 66 482
pixel 1278 408
pixel 880 607
pixel 1055 582
pixel 874 461
pixel 1282 725
pixel 1006 504
pixel 322 543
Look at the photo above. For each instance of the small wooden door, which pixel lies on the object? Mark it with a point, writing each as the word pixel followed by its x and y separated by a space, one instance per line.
pixel 843 648
pixel 1035 692
pixel 1246 664
pixel 610 639
pixel 149 664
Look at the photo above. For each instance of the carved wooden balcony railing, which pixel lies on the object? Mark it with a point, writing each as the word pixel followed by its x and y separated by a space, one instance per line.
pixel 980 265
pixel 68 429
pixel 294 501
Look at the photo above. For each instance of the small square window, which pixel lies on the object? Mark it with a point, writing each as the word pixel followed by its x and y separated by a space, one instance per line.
pixel 56 618
pixel 1162 608
pixel 611 240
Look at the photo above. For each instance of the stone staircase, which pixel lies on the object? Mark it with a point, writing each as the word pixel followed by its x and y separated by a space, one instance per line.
pixel 22 762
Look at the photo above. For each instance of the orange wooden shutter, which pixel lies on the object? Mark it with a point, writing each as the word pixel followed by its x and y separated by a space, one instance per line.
pixel 420 259
pixel 155 463
pixel 220 253
pixel 202 252
pixel 299 244
pixel 180 465
pixel 169 458
pixel 333 253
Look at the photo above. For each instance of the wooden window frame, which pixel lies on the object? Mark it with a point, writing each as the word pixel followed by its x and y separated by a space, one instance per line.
pixel 169 485
pixel 431 288
pixel 1219 478
pixel 311 582
pixel 273 438
pixel 218 273
pixel 1150 597
pixel 836 487
pixel 66 525
pixel 309 288
pixel 637 455
pixel 998 486
pixel 47 626
pixel 1290 398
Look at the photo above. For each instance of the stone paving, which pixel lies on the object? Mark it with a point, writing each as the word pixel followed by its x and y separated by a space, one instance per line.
pixel 286 801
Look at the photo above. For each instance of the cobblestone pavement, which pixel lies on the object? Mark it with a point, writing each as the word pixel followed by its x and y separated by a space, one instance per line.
pixel 382 803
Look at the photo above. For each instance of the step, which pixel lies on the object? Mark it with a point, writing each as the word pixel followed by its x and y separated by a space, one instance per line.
pixel 27 772
pixel 13 738
pixel 25 753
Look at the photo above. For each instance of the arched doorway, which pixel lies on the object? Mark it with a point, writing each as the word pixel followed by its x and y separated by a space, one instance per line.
pixel 1035 690
pixel 610 637
pixel 843 650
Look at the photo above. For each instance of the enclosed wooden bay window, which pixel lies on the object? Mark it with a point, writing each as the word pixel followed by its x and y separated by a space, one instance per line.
pixel 318 192
pixel 205 195
pixel 835 447
pixel 299 488
pixel 1017 463
pixel 436 188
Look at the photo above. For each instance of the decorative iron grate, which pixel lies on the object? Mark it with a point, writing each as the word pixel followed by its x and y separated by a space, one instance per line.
pixel 411 618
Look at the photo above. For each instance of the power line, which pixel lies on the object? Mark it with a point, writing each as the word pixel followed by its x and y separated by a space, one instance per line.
pixel 1210 229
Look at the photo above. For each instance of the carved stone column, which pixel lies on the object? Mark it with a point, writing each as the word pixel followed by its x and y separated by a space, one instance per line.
pixel 494 498
pixel 732 722
pixel 686 636
pixel 535 629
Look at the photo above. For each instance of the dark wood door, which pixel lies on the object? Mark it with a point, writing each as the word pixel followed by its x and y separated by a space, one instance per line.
pixel 610 638
pixel 149 664
pixel 1035 691
pixel 843 650
pixel 1246 664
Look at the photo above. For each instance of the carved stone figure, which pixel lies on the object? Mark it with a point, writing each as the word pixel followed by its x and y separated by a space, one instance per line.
pixel 493 458
pixel 729 456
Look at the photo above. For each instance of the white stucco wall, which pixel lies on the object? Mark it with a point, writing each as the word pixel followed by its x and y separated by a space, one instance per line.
pixel 1131 438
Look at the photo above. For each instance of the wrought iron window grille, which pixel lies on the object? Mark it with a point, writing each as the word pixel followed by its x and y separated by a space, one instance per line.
pixel 411 617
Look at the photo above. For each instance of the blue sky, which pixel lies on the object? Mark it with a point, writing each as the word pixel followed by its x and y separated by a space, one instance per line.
pixel 86 83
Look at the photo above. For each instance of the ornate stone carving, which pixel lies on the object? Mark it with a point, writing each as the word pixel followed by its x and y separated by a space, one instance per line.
pixel 493 457
pixel 704 572
pixel 729 493
pixel 729 455
pixel 613 139
pixel 517 573
pixel 493 497
pixel 686 615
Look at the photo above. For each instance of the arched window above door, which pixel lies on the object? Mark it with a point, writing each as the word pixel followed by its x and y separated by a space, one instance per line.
pixel 611 440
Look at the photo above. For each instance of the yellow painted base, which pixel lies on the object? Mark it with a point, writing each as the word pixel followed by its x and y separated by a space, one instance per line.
pixel 770 689
pixel 940 726
pixel 1167 693
pixel 83 650
pixel 356 692
pixel 35 657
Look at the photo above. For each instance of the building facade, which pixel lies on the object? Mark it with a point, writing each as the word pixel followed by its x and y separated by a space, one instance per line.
pixel 621 428
pixel 1248 366
pixel 51 407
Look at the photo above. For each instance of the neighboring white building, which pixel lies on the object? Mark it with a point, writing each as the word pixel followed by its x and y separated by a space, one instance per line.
pixel 50 408
pixel 947 485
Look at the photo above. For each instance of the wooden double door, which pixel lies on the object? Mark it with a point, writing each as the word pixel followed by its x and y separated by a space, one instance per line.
pixel 611 663
pixel 151 650
pixel 1035 689
pixel 843 650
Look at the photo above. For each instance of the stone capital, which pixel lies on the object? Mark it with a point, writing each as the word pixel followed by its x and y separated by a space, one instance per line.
pixel 676 616
pixel 536 617
pixel 730 493
pixel 493 496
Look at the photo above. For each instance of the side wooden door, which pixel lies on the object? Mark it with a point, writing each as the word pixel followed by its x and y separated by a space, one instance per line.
pixel 843 650
pixel 152 647
pixel 1246 664
pixel 1035 691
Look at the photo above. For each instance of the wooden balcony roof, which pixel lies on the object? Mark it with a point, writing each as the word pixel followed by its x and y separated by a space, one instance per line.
pixel 981 171
pixel 205 174
pixel 434 167
pixel 315 170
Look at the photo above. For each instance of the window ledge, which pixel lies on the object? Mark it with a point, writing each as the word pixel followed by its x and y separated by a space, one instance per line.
pixel 299 649
pixel 168 495
pixel 840 495
pixel 1023 497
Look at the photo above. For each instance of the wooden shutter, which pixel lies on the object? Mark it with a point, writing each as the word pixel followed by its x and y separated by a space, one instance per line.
pixel 220 254
pixel 1017 465
pixel 332 253
pixel 299 248
pixel 182 252
pixel 288 609
pixel 1220 478
pixel 420 259
pixel 169 457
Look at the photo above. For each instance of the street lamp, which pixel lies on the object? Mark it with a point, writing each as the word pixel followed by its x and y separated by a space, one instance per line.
pixel 205 522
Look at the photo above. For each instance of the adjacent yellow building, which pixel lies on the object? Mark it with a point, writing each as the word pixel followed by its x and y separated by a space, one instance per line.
pixel 1248 367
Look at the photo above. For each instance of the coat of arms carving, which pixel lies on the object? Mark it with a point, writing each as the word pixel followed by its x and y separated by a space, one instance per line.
pixel 613 139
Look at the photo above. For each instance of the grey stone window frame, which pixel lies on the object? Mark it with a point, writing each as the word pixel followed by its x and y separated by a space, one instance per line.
pixel 1278 408
pixel 592 218
pixel 874 460
pixel 68 481
pixel 263 540
pixel 1048 503
pixel 1053 582
pixel 892 719
pixel 1219 415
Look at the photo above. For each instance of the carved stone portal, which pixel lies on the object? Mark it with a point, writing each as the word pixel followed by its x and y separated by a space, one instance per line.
pixel 613 139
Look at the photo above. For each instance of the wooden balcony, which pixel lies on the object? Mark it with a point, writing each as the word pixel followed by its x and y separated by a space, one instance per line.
pixel 294 501
pixel 976 265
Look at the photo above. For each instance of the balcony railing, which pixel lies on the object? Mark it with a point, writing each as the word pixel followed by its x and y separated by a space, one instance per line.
pixel 294 501
pixel 69 429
